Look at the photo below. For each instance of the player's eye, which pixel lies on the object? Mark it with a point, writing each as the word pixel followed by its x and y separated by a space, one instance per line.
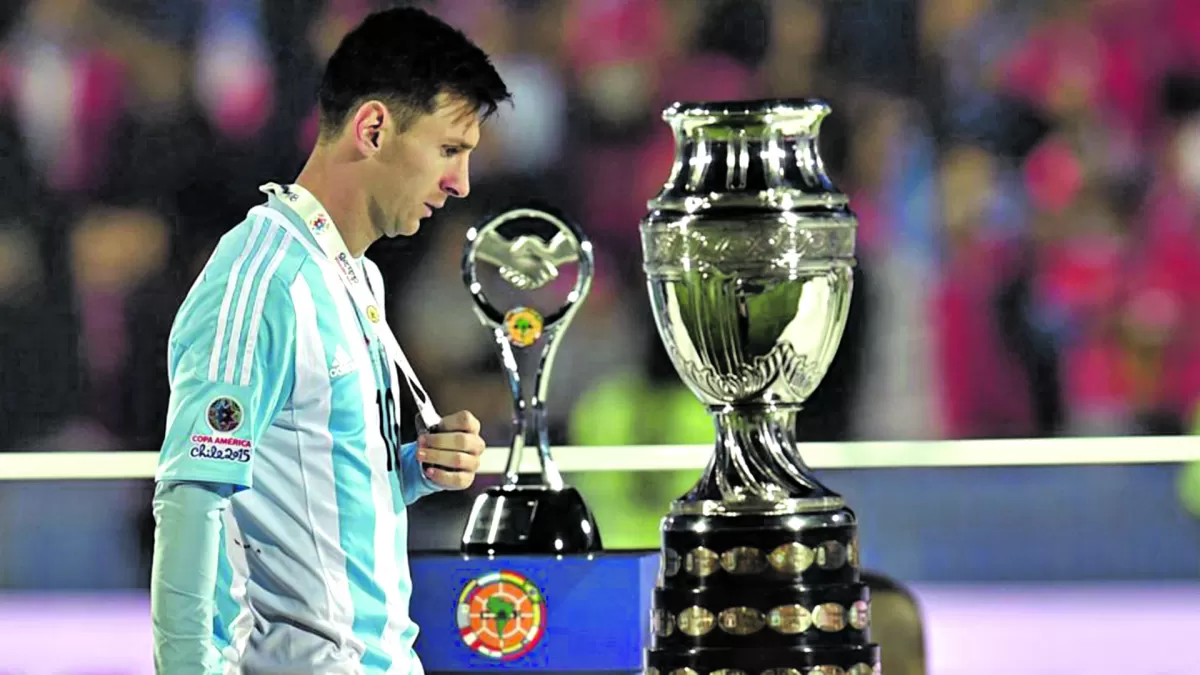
pixel 449 150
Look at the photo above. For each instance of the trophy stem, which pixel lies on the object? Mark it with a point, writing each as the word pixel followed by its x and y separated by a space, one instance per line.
pixel 551 476
pixel 550 473
pixel 756 465
pixel 529 423
pixel 508 360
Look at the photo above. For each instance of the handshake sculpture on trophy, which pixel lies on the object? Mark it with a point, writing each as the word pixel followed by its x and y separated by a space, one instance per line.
pixel 527 262
pixel 749 254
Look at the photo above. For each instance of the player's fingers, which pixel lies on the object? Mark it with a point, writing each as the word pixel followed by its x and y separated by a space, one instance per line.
pixel 449 459
pixel 462 420
pixel 451 480
pixel 453 440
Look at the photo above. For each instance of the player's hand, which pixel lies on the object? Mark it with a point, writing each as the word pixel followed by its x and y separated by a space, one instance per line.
pixel 453 451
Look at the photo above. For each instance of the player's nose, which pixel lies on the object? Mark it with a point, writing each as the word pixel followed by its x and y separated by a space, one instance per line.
pixel 457 183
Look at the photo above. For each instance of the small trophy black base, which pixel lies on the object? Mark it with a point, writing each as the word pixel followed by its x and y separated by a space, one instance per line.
pixel 758 592
pixel 530 519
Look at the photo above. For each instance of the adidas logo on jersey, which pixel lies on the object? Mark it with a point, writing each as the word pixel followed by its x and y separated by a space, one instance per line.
pixel 342 364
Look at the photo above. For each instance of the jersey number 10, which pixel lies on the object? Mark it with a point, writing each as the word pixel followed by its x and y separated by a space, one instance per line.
pixel 389 426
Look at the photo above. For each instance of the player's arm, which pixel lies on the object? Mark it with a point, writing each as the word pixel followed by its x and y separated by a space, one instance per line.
pixel 231 365
pixel 187 534
pixel 232 359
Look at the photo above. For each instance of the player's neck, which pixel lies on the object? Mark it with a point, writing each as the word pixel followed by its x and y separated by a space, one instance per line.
pixel 346 204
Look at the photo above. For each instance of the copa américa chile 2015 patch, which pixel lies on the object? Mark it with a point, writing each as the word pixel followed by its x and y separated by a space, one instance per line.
pixel 224 416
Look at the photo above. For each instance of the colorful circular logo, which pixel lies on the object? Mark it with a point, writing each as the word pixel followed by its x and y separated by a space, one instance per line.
pixel 501 615
pixel 523 325
pixel 373 314
pixel 224 415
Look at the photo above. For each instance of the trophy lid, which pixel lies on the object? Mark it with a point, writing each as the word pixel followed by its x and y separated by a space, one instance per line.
pixel 760 111
pixel 759 155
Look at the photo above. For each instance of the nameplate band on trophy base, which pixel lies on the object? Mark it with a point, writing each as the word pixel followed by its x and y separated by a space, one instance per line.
pixel 856 669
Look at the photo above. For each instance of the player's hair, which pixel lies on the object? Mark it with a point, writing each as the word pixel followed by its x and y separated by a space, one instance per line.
pixel 406 58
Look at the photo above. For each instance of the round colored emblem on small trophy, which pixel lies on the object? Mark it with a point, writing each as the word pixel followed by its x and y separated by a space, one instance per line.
pixel 501 615
pixel 523 326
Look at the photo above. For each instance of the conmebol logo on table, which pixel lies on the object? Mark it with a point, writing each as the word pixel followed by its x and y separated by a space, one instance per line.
pixel 501 615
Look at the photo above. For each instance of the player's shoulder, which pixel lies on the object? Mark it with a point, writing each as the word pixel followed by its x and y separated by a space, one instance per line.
pixel 258 246
pixel 251 271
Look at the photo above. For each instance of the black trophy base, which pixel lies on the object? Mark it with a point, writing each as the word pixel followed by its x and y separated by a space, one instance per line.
pixel 530 519
pixel 762 591
pixel 860 661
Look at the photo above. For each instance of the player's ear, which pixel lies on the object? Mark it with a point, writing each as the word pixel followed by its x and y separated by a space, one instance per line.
pixel 370 123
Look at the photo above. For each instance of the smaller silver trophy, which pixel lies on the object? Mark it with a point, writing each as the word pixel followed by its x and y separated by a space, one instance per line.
pixel 526 248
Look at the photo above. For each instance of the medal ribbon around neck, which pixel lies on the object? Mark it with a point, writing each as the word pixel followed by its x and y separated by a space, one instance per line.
pixel 334 252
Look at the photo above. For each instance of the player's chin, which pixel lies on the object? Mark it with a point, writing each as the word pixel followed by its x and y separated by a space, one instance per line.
pixel 407 229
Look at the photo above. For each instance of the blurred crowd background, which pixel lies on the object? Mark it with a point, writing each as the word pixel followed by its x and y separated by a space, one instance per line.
pixel 1026 173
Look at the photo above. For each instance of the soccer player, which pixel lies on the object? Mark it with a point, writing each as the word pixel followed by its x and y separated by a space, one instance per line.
pixel 281 495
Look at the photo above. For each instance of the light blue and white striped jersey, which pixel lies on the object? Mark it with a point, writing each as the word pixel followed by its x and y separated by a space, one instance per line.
pixel 280 388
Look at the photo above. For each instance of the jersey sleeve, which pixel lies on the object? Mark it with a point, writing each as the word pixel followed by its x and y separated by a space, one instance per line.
pixel 414 484
pixel 231 361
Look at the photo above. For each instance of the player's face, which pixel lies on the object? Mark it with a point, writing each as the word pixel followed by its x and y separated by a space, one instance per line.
pixel 423 166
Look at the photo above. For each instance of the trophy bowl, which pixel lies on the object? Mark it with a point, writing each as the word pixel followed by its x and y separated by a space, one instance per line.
pixel 752 333
pixel 749 254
